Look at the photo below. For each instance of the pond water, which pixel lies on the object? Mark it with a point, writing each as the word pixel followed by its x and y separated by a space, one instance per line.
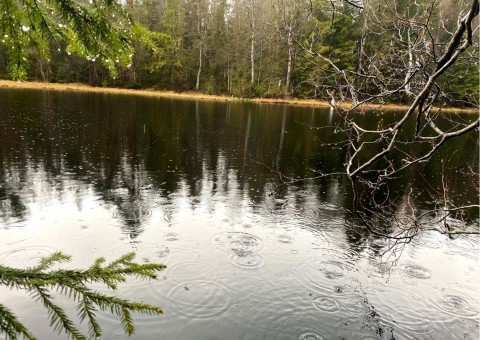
pixel 196 186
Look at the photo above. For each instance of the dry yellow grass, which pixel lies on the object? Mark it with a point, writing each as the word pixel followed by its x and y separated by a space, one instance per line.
pixel 74 87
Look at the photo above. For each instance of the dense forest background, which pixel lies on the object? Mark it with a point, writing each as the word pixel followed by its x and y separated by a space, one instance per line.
pixel 272 48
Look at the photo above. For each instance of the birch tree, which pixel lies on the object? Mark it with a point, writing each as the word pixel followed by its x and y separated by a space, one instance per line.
pixel 289 19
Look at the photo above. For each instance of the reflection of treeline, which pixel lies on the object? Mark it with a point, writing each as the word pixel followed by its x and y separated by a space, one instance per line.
pixel 249 48
pixel 134 150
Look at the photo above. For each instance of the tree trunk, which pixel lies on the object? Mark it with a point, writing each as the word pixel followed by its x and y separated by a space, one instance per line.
pixel 197 85
pixel 229 82
pixel 290 59
pixel 408 88
pixel 252 42
pixel 252 55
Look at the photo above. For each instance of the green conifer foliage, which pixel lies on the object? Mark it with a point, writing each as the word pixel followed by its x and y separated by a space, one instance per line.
pixel 41 280
pixel 100 30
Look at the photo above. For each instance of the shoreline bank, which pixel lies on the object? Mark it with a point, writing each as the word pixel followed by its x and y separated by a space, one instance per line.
pixel 76 87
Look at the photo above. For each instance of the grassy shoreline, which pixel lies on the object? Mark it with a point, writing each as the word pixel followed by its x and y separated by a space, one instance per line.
pixel 75 87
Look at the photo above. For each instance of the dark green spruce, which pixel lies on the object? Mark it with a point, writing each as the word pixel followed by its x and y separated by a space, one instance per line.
pixel 43 281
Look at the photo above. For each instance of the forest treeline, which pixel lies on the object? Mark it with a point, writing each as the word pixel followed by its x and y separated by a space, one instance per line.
pixel 276 48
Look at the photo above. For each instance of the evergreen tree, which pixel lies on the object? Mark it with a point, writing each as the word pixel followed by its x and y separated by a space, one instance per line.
pixel 101 30
pixel 41 280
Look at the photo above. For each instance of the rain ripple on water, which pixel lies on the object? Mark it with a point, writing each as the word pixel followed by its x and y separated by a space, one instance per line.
pixel 455 304
pixel 200 299
pixel 285 238
pixel 326 304
pixel 416 271
pixel 310 336
pixel 242 248
pixel 25 256
pixel 188 271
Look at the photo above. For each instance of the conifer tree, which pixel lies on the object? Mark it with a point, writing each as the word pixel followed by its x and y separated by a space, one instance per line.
pixel 100 30
pixel 40 281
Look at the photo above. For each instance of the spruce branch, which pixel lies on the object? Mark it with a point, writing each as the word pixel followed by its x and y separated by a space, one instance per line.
pixel 86 309
pixel 41 279
pixel 59 320
pixel 11 327
pixel 47 262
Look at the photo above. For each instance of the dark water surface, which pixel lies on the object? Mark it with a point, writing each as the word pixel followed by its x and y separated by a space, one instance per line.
pixel 194 185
